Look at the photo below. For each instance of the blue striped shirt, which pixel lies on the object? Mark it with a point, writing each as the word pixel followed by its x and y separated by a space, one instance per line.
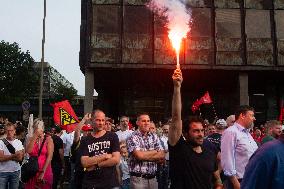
pixel 237 146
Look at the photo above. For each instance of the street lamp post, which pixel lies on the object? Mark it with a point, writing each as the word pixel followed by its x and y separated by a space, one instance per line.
pixel 42 62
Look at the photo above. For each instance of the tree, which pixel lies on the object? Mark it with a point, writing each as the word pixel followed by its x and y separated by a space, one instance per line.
pixel 63 92
pixel 18 79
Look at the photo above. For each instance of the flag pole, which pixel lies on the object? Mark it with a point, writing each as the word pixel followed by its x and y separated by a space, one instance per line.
pixel 42 62
pixel 214 111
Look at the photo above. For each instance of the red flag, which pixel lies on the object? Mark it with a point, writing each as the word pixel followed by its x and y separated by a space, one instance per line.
pixel 195 105
pixel 281 116
pixel 64 115
pixel 206 99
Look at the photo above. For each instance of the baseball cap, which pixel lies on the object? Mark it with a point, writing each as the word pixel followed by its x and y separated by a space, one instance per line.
pixel 221 124
pixel 87 127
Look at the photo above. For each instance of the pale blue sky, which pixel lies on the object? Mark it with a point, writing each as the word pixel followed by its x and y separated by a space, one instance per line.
pixel 21 22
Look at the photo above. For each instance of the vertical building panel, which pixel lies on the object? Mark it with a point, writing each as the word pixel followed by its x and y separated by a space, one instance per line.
pixel 198 44
pixel 259 43
pixel 228 37
pixel 137 35
pixel 279 15
pixel 105 38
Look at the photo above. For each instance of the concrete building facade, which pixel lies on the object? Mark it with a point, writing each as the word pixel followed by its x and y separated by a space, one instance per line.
pixel 235 50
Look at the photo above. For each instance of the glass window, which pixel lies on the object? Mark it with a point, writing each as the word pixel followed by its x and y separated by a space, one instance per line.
pixel 259 43
pixel 199 3
pixel 106 19
pixel 227 4
pixel 228 37
pixel 198 45
pixel 258 4
pixel 279 4
pixel 137 20
pixel 137 35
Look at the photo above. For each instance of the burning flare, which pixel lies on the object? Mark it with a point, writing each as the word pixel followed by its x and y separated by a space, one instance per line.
pixel 179 18
pixel 176 36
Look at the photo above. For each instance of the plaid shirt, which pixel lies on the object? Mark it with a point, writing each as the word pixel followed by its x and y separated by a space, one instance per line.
pixel 147 142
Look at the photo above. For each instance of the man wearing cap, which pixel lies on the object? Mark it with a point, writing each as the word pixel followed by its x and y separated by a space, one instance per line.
pixel 86 128
pixel 215 138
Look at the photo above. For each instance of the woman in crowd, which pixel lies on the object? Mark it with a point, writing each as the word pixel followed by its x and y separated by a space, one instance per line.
pixel 44 177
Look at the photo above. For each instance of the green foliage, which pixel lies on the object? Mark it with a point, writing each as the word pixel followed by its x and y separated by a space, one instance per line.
pixel 18 79
pixel 63 92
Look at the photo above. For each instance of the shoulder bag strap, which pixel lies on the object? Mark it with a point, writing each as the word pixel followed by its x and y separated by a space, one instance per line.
pixel 9 146
pixel 41 146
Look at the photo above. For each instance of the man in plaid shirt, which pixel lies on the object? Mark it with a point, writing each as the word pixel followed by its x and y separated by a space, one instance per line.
pixel 145 151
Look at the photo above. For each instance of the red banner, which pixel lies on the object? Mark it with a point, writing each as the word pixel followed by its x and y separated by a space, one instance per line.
pixel 64 115
pixel 205 99
pixel 281 116
pixel 195 106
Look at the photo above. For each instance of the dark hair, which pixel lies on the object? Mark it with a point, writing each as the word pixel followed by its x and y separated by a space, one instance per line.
pixel 188 122
pixel 142 113
pixel 20 129
pixel 243 109
pixel 57 129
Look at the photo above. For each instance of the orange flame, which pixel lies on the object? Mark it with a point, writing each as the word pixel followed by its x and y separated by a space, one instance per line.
pixel 176 35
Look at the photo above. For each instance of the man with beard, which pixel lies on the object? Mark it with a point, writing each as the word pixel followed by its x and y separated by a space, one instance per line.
pixel 273 130
pixel 237 146
pixel 192 166
pixel 100 154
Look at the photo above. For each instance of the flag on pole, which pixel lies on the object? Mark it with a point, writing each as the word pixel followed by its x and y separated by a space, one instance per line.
pixel 205 99
pixel 195 106
pixel 64 115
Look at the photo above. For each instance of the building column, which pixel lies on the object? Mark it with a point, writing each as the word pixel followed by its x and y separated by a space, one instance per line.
pixel 89 91
pixel 244 94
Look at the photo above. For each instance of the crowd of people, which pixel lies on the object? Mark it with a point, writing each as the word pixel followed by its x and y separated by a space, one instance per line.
pixel 179 154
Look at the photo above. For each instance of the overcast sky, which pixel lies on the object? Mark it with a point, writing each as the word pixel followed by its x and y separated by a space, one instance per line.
pixel 21 22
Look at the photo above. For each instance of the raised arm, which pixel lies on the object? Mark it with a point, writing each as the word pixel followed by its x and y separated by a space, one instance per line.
pixel 79 127
pixel 175 130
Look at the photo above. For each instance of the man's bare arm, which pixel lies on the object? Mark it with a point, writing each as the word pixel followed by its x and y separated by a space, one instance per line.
pixel 114 160
pixel 151 155
pixel 87 161
pixel 175 130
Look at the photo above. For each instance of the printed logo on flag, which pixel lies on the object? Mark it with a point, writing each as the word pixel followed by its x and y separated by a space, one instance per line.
pixel 66 118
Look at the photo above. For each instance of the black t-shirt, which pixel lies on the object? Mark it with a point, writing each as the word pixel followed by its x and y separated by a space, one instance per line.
pixel 105 177
pixel 215 139
pixel 191 170
pixel 58 144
